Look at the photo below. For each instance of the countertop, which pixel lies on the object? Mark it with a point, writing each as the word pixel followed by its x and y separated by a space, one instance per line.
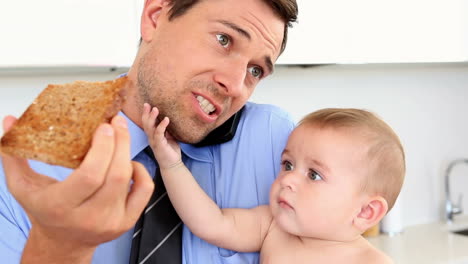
pixel 432 243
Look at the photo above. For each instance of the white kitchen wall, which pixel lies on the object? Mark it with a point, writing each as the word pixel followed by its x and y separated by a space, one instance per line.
pixel 426 104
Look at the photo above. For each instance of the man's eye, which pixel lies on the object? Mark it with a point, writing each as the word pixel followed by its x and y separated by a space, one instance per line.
pixel 315 176
pixel 223 40
pixel 287 165
pixel 256 71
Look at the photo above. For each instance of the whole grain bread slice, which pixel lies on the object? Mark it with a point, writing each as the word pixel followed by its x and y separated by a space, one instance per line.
pixel 57 128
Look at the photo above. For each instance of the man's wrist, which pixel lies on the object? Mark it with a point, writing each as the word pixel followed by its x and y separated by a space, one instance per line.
pixel 41 248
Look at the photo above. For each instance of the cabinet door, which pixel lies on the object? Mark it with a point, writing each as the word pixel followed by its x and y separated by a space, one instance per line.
pixel 68 33
pixel 361 31
pixel 105 33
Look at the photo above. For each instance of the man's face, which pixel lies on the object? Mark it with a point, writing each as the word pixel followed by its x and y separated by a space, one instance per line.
pixel 200 68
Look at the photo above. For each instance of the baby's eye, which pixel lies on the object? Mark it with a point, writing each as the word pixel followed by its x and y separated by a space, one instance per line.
pixel 256 71
pixel 315 176
pixel 287 166
pixel 223 39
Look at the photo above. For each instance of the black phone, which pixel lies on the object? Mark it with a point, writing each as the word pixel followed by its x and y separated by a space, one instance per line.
pixel 223 133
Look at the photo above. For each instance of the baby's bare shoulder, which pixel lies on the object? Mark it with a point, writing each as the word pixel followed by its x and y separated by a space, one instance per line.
pixel 361 251
pixel 373 255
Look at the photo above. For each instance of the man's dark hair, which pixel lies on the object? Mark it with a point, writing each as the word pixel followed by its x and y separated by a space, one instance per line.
pixel 286 9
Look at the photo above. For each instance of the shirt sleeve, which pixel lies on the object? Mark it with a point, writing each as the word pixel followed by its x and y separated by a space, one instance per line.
pixel 264 136
pixel 281 125
pixel 13 223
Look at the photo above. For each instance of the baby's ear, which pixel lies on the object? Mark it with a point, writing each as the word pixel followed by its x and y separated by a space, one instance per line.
pixel 371 213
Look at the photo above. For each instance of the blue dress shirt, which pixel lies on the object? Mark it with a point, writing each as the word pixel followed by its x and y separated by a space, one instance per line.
pixel 238 173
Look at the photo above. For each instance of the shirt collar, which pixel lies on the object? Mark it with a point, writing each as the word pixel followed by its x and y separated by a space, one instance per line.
pixel 203 154
pixel 139 140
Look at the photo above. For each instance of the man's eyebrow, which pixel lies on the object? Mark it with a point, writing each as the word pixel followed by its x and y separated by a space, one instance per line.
pixel 236 28
pixel 269 64
pixel 267 59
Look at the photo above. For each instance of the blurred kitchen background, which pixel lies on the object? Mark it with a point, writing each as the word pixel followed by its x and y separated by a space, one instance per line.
pixel 407 61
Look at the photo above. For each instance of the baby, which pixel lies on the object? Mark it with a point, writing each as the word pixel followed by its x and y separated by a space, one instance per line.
pixel 341 172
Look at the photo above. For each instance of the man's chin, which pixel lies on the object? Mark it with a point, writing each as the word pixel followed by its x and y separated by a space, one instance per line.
pixel 188 138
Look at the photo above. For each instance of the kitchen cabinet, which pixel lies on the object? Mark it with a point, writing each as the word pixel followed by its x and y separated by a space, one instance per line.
pixel 105 33
pixel 72 33
pixel 382 31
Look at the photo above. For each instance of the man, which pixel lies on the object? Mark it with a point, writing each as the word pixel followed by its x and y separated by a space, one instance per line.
pixel 199 61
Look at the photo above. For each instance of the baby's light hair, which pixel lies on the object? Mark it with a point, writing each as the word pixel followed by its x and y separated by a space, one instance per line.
pixel 385 153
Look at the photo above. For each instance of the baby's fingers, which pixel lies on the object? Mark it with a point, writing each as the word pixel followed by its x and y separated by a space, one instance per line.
pixel 161 128
pixel 145 116
pixel 148 118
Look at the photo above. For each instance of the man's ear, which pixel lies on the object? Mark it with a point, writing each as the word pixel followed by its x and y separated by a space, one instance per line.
pixel 372 211
pixel 149 17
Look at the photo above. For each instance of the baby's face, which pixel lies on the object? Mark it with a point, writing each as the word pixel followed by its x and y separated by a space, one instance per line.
pixel 318 190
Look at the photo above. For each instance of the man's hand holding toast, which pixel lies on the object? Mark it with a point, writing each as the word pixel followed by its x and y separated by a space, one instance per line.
pixel 98 202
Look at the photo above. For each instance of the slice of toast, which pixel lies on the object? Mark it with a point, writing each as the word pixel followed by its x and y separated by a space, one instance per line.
pixel 57 128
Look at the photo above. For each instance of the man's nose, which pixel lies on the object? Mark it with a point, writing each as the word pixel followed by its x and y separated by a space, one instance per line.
pixel 231 77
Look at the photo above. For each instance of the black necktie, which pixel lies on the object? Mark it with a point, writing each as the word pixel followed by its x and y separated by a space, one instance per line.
pixel 157 238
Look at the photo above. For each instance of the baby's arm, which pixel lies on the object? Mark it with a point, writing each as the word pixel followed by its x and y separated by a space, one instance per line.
pixel 235 229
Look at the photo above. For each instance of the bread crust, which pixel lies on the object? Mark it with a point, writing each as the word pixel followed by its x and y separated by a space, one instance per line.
pixel 58 127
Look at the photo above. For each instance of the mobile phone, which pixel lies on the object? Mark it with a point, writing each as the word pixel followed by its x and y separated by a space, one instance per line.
pixel 223 133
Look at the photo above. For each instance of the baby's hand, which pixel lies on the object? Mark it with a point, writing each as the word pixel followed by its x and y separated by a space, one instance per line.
pixel 165 148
